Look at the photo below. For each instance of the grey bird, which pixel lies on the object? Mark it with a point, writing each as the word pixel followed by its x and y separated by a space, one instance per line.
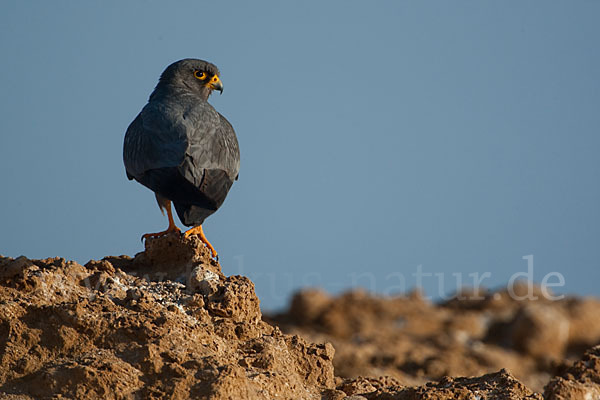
pixel 182 149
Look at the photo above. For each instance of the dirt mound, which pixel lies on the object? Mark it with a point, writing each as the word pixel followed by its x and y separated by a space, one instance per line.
pixel 499 385
pixel 98 332
pixel 416 341
pixel 580 381
pixel 169 324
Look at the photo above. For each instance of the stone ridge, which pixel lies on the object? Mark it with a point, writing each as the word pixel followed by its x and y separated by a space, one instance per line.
pixel 142 328
pixel 168 324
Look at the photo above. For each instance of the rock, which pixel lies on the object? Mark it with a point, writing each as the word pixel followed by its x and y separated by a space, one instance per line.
pixel 235 298
pixel 204 281
pixel 584 327
pixel 12 267
pixel 414 341
pixel 171 257
pixel 540 330
pixel 580 381
pixel 122 331
pixel 498 385
pixel 308 305
pixel 168 324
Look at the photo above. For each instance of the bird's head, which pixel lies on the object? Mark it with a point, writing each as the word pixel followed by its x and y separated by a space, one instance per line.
pixel 197 76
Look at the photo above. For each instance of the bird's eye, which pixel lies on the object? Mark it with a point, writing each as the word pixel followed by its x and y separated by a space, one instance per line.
pixel 200 75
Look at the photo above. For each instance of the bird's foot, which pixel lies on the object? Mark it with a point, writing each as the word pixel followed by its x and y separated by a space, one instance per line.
pixel 158 234
pixel 197 230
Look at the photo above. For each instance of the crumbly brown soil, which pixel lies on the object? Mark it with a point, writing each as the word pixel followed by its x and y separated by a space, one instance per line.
pixel 416 341
pixel 168 324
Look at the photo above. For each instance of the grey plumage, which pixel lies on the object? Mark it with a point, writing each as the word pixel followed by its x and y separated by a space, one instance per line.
pixel 180 147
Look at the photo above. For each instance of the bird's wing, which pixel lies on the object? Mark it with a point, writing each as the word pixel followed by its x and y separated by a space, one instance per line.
pixel 184 141
pixel 233 158
pixel 212 159
pixel 212 146
pixel 157 138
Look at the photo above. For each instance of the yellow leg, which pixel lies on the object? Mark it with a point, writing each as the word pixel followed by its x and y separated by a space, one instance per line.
pixel 172 227
pixel 197 230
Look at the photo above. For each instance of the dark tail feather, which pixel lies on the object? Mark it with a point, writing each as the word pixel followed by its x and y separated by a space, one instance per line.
pixel 193 204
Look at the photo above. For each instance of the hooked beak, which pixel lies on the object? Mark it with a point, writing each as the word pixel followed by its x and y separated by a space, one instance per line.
pixel 216 84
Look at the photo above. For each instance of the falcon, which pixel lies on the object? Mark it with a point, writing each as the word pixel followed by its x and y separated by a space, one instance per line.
pixel 182 149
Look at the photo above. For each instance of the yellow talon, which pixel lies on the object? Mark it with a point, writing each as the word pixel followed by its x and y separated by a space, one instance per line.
pixel 172 227
pixel 197 230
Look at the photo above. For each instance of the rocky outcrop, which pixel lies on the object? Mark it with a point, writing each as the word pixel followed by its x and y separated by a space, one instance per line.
pixel 416 341
pixel 499 385
pixel 147 328
pixel 169 324
pixel 580 381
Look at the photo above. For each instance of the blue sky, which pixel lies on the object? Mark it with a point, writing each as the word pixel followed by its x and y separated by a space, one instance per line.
pixel 375 137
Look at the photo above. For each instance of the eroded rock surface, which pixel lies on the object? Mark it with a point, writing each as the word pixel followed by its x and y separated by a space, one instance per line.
pixel 167 324
pixel 500 385
pixel 416 341
pixel 580 381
